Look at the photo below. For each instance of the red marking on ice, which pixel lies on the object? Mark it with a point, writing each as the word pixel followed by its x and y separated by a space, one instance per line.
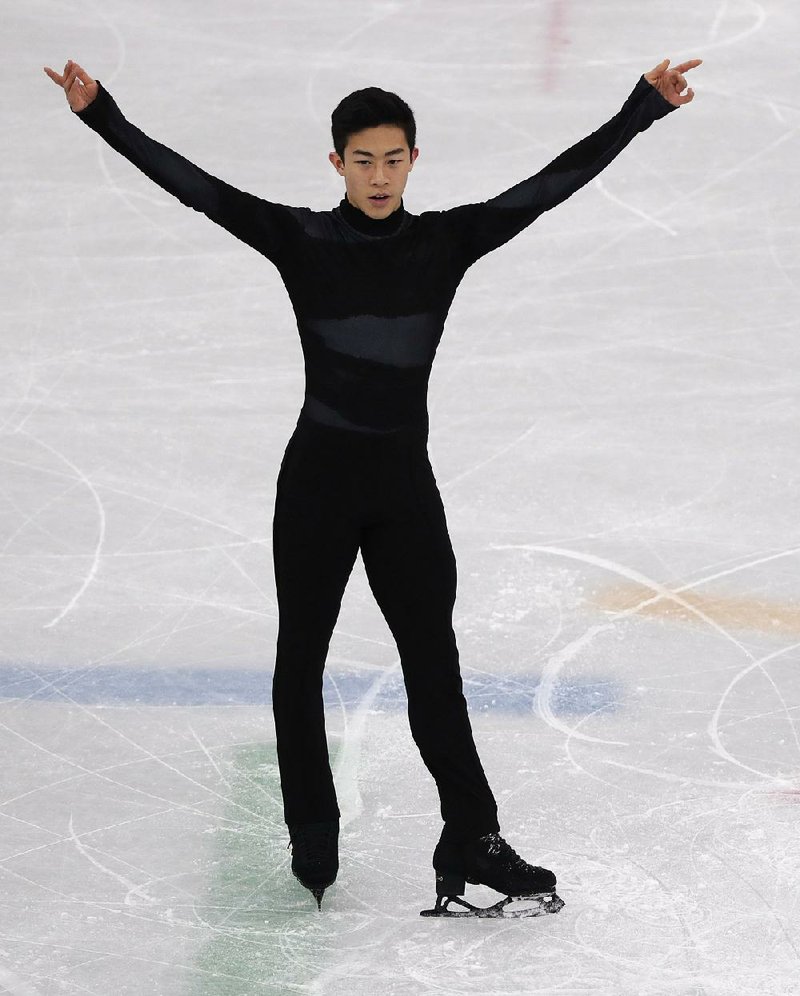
pixel 557 40
pixel 793 794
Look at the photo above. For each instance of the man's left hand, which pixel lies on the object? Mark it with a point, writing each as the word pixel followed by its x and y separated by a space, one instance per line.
pixel 671 83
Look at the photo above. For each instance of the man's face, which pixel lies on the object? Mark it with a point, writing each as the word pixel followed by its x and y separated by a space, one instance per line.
pixel 375 168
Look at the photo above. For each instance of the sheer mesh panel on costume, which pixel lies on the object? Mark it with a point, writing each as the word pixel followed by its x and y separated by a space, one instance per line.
pixel 405 341
pixel 379 382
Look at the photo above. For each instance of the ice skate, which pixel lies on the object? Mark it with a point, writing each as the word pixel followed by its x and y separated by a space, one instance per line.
pixel 315 855
pixel 489 860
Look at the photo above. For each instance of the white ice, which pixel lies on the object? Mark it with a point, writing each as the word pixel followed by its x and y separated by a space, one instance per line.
pixel 615 431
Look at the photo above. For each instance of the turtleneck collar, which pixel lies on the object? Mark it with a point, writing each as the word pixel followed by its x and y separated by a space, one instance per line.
pixel 372 226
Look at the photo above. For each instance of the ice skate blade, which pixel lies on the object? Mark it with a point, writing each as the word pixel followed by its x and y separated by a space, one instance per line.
pixel 538 905
pixel 316 891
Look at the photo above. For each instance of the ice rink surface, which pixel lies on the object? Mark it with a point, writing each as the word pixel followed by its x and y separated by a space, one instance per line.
pixel 614 429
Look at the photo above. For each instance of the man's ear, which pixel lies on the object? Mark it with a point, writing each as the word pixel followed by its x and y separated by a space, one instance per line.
pixel 414 154
pixel 338 165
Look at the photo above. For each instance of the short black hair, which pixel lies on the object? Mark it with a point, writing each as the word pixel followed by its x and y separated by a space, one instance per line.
pixel 369 108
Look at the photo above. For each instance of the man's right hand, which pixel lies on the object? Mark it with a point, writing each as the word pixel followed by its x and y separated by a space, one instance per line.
pixel 78 85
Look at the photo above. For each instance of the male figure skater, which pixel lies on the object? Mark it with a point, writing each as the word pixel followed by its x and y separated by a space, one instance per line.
pixel 371 285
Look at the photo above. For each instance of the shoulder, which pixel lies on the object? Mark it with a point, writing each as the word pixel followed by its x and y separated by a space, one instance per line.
pixel 315 224
pixel 296 222
pixel 450 221
pixel 443 220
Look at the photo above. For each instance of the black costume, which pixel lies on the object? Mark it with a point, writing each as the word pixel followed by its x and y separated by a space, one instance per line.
pixel 371 297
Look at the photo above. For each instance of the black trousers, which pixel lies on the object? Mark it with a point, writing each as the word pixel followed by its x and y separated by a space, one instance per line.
pixel 338 492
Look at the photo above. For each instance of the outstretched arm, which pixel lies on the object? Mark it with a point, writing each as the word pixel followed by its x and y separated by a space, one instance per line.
pixel 480 228
pixel 260 223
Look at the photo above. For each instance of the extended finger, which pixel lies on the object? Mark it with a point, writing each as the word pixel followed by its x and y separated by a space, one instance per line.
pixel 73 75
pixel 54 76
pixel 657 70
pixel 684 67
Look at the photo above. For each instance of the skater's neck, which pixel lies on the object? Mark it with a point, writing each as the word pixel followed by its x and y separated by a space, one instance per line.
pixel 372 226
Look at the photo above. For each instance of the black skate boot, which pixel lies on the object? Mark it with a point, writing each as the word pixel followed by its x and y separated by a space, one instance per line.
pixel 315 855
pixel 490 861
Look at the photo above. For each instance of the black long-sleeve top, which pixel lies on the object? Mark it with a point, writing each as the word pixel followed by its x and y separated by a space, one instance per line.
pixel 371 295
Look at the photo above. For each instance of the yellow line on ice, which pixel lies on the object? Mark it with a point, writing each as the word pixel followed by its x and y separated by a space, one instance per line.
pixel 730 612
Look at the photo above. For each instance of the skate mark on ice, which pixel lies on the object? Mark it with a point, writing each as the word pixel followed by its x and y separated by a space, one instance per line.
pixel 557 662
pixel 719 17
pixel 132 889
pixel 713 725
pixel 707 614
pixel 175 627
pixel 501 451
pixel 265 596
pixel 59 838
pixel 212 976
pixel 209 757
pixel 16 986
pixel 550 675
pixel 667 776
pixel 582 769
pixel 714 852
pixel 348 759
pixel 737 613
pixel 713 44
pixel 648 218
pixel 99 772
pixel 334 48
pixel 35 406
pixel 716 180
pixel 661 592
pixel 448 379
pixel 101 517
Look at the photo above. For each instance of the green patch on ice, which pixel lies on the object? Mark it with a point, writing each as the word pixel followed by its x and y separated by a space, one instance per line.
pixel 266 935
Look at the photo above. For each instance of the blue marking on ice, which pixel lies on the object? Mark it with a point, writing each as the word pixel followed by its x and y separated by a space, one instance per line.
pixel 114 685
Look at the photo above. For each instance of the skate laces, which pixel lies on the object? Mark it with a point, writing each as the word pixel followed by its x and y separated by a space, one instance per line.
pixel 496 845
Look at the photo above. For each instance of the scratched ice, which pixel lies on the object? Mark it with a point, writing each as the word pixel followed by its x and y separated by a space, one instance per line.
pixel 614 414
